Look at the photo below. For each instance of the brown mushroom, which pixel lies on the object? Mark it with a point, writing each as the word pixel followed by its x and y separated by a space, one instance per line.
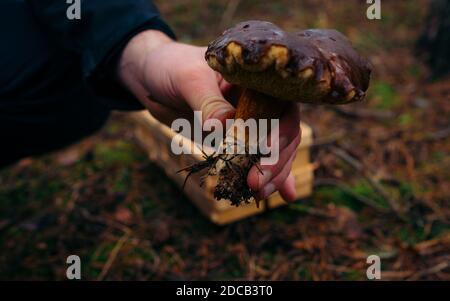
pixel 274 68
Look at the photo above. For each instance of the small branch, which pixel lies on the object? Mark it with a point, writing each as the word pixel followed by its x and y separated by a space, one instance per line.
pixel 433 270
pixel 362 113
pixel 359 167
pixel 395 275
pixel 112 256
pixel 96 219
pixel 363 199
pixel 441 134
pixel 228 15
pixel 312 211
pixel 327 140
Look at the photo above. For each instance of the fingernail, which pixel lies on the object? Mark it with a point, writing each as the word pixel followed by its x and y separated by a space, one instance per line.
pixel 216 109
pixel 222 115
pixel 268 190
pixel 264 178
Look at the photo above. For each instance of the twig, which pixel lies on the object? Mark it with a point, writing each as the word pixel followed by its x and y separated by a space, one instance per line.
pixel 433 270
pixel 335 268
pixel 112 256
pixel 441 134
pixel 331 139
pixel 434 245
pixel 363 199
pixel 312 211
pixel 395 275
pixel 359 167
pixel 96 219
pixel 230 10
pixel 362 113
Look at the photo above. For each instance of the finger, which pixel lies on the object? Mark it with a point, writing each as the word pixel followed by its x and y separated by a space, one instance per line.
pixel 202 93
pixel 256 180
pixel 289 125
pixel 277 182
pixel 287 190
pixel 165 114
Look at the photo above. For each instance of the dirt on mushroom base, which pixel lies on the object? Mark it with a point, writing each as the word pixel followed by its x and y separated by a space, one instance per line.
pixel 232 177
pixel 232 181
pixel 230 172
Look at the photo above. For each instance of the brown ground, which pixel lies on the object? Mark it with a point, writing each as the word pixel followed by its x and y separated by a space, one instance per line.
pixel 382 178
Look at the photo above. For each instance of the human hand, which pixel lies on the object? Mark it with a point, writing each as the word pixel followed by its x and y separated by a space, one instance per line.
pixel 173 79
pixel 278 177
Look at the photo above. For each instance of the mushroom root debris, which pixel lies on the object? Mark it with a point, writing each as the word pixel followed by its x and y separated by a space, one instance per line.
pixel 274 68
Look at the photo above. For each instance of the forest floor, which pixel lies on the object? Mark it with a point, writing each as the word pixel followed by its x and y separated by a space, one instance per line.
pixel 382 178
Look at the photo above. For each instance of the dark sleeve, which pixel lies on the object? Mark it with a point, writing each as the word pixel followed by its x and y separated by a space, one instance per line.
pixel 99 37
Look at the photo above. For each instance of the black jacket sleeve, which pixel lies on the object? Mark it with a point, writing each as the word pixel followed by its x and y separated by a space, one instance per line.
pixel 100 35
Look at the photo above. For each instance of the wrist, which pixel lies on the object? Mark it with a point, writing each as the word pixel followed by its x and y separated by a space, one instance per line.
pixel 131 67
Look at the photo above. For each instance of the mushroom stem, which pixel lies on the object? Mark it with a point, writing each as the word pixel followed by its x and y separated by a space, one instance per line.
pixel 253 104
pixel 256 105
pixel 233 169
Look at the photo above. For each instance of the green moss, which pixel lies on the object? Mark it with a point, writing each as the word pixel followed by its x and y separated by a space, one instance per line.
pixel 284 215
pixel 406 190
pixel 122 182
pixel 304 274
pixel 120 152
pixel 405 120
pixel 384 95
pixel 145 254
pixel 234 269
pixel 341 197
pixel 438 156
pixel 411 236
pixel 414 70
pixel 368 42
pixel 352 275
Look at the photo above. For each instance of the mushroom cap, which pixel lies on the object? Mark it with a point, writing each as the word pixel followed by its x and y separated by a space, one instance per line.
pixel 314 66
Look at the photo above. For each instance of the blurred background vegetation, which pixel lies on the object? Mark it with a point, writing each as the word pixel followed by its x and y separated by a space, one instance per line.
pixel 382 177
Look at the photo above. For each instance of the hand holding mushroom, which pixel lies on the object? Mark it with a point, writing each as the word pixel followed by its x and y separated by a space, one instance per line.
pixel 172 79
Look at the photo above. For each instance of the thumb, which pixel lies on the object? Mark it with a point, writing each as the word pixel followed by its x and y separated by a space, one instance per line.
pixel 216 107
pixel 203 94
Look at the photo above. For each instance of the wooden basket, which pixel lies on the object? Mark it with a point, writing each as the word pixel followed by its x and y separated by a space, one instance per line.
pixel 156 138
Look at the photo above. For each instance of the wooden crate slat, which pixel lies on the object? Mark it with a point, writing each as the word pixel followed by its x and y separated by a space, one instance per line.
pixel 156 139
pixel 232 214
